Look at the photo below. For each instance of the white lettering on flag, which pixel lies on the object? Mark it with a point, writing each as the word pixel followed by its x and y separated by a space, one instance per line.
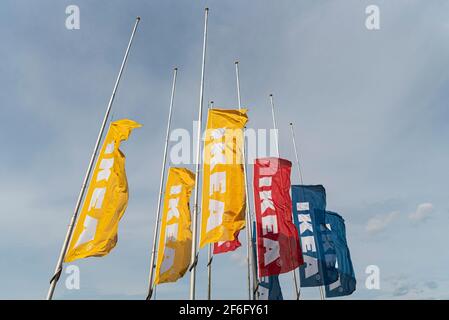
pixel 109 148
pixel 105 169
pixel 176 189
pixel 218 156
pixel 302 206
pixel 271 251
pixel 311 266
pixel 171 232
pixel 269 224
pixel 217 182
pixel 173 208
pixel 216 210
pixel 308 244
pixel 267 201
pixel 88 234
pixel 305 223
pixel 97 198
pixel 265 182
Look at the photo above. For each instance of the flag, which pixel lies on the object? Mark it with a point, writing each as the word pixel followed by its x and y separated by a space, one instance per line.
pixel 277 237
pixel 175 241
pixel 309 203
pixel 223 198
pixel 227 246
pixel 95 233
pixel 269 287
pixel 346 282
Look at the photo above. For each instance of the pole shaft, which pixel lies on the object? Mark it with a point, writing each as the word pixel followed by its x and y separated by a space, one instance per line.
pixel 274 125
pixel 209 253
pixel 209 271
pixel 71 226
pixel 161 188
pixel 247 211
pixel 300 181
pixel 197 169
pixel 296 153
pixel 277 147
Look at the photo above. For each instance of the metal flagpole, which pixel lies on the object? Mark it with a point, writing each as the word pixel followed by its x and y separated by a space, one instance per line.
pixel 209 253
pixel 58 269
pixel 248 214
pixel 296 153
pixel 161 188
pixel 194 257
pixel 274 124
pixel 301 180
pixel 277 147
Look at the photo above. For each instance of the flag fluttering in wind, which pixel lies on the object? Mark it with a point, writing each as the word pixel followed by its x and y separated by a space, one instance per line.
pixel 95 233
pixel 268 288
pixel 223 197
pixel 227 246
pixel 277 237
pixel 175 242
pixel 309 204
pixel 346 282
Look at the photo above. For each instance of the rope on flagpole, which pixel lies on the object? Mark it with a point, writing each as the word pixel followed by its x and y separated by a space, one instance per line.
pixel 59 264
pixel 297 290
pixel 154 252
pixel 194 255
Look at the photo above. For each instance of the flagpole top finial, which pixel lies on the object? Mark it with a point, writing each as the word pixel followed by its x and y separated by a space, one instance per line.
pixel 138 18
pixel 207 9
pixel 271 94
pixel 176 69
pixel 236 62
pixel 291 123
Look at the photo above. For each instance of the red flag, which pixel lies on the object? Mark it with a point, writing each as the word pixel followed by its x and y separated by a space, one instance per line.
pixel 226 246
pixel 277 237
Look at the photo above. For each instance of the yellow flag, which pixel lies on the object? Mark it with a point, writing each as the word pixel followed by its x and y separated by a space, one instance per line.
pixel 175 242
pixel 223 199
pixel 95 233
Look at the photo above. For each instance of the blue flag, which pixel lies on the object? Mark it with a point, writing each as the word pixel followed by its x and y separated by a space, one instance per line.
pixel 269 287
pixel 346 282
pixel 309 205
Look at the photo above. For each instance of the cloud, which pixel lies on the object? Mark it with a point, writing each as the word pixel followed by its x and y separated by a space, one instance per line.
pixel 404 287
pixel 423 212
pixel 380 222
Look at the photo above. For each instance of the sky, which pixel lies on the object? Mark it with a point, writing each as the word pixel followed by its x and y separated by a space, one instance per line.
pixel 369 109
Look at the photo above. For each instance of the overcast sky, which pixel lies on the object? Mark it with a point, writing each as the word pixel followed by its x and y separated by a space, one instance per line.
pixel 369 109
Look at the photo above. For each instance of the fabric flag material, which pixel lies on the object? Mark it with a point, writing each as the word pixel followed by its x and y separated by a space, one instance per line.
pixel 175 241
pixel 227 246
pixel 223 197
pixel 346 282
pixel 277 237
pixel 95 233
pixel 309 203
pixel 269 287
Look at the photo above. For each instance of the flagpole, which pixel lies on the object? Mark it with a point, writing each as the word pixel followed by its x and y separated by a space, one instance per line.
pixel 296 152
pixel 161 188
pixel 194 256
pixel 209 253
pixel 247 209
pixel 277 147
pixel 301 180
pixel 59 264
